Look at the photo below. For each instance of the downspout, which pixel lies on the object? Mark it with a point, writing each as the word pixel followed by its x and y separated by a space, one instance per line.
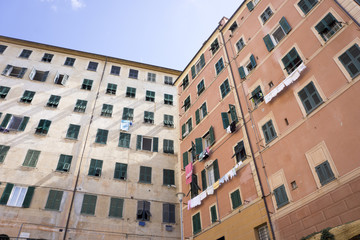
pixel 248 136
pixel 82 155
pixel 336 1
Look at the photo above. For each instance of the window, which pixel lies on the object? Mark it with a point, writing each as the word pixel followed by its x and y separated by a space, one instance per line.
pixel 185 159
pixel 152 77
pixel 196 222
pixel 187 103
pixel 213 214
pixel 143 211
pixel 149 117
pixel 87 84
pixel 224 88
pixel 133 73
pixel 107 110
pixel 120 171
pixel 17 196
pixel 150 96
pixel 233 27
pixel 111 88
pixel 92 66
pixel 240 152
pixel 2 49
pixel 116 207
pixel 25 53
pixel 257 96
pixel 266 15
pixel 88 204
pixel 27 96
pixel 147 143
pixel 145 174
pixel 130 92
pixel 47 57
pixel 54 200
pixel 168 80
pixel 80 106
pixel 186 128
pixel 235 199
pixel 95 167
pixel 124 140
pixel 210 175
pixel 351 61
pixel 272 39
pixel 324 173
pixel 280 196
pixel 128 114
pixel 64 163
pixel 37 75
pixel 200 87
pixel 201 113
pixel 15 123
pixel 202 143
pixel 247 68
pixel 185 82
pixel 168 177
pixel 219 66
pixel 195 69
pixel 328 26
pixel 115 70
pixel 168 99
pixel 61 79
pixel 251 5
pixel 307 5
pixel 53 101
pixel 269 131
pixel 14 71
pixel 310 97
pixel 73 131
pixel 240 44
pixel 263 232
pixel 101 136
pixel 168 120
pixel 31 158
pixel 43 127
pixel 168 213
pixel 194 187
pixel 214 46
pixel 168 146
pixel 3 152
pixel 291 61
pixel 4 91
pixel 69 61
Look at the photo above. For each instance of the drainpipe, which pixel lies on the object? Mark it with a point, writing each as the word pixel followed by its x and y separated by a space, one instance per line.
pixel 336 1
pixel 248 136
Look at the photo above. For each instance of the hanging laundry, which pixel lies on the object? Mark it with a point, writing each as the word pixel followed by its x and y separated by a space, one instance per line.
pixel 195 201
pixel 210 190
pixel 188 172
pixel 216 185
pixel 125 125
pixel 202 195
pixel 189 204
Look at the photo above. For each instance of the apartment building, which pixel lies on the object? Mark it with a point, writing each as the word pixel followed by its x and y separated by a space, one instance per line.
pixel 88 145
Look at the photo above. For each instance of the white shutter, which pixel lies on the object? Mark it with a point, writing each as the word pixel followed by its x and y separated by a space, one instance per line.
pixel 7 70
pixel 56 77
pixel 65 78
pixel 32 74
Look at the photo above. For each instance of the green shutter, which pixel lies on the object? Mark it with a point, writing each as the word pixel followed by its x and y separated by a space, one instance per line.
pixel 225 119
pixel 199 146
pixel 281 196
pixel 242 72
pixel 183 129
pixel 3 151
pixel 155 144
pixel 116 207
pixel 212 135
pixel 185 159
pixel 189 122
pixel 89 204
pixel 6 120
pixel 268 43
pixel 250 6
pixel 203 179
pixel 235 199
pixel 22 72
pixel 285 25
pixel 202 60
pixel 216 170
pixel 213 214
pixel 193 73
pixel 196 223
pixel 253 61
pixel 23 124
pixel 28 197
pixel 43 79
pixel 54 200
pixel 233 114
pixel 138 142
pixel 197 116
pixel 6 194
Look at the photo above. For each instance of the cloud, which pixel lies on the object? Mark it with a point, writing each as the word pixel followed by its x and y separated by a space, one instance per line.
pixel 76 4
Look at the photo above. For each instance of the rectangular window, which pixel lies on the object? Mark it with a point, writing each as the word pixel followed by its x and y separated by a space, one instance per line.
pixel 168 120
pixel 43 127
pixel 92 66
pixel 266 15
pixel 280 196
pixel 214 46
pixel 25 53
pixel 225 88
pixel 87 84
pixel 73 131
pixel 240 152
pixel 115 70
pixel 14 123
pixel 168 99
pixel 145 174
pixel 185 82
pixel 196 222
pixel 69 61
pixel 111 88
pixel 31 158
pixel 143 211
pixel 257 96
pixel 17 196
pixel 351 60
pixel 168 80
pixel 14 71
pixel 307 5
pixel 233 26
pixel 88 204
pixel 194 187
pixel 128 114
pixel 27 96
pixel 187 103
pixel 263 232
pixel 151 77
pixel 328 26
pixel 3 152
pixel 219 66
pixel 147 143
pixel 168 146
pixel 213 214
pixel 310 97
pixel 120 171
pixel 150 96
pixel 195 69
pixel 124 140
pixel 133 73
pixel 80 106
pixel 269 131
pixel 47 57
pixel 272 39
pixel 324 173
pixel 116 207
pixel 61 79
pixel 240 44
pixel 107 110
pixel 4 91
pixel 201 113
pixel 235 199
pixel 53 101
pixel 64 163
pixel 101 136
pixel 37 75
pixel 149 117
pixel 54 200
pixel 186 128
pixel 200 87
pixel 168 213
pixel 2 48
pixel 95 167
pixel 130 92
pixel 291 61
pixel 168 177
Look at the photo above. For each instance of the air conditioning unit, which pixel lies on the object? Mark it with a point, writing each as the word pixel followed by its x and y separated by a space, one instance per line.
pixel 66 167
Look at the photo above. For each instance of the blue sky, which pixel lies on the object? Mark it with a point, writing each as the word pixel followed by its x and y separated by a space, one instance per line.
pixel 165 33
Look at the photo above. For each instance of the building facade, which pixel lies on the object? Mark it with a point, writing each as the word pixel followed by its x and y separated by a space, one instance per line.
pixel 88 145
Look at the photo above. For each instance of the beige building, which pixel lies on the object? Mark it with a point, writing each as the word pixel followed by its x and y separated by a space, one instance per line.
pixel 88 145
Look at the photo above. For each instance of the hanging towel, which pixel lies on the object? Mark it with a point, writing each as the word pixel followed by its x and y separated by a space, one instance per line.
pixel 188 172
pixel 210 190
pixel 202 195
pixel 216 185
pixel 125 125
pixel 222 180
pixel 195 201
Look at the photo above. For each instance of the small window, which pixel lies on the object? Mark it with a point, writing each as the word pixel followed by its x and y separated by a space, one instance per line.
pixel 307 5
pixel 291 61
pixel 324 173
pixel 214 46
pixel 95 167
pixel 128 114
pixel 194 187
pixel 43 127
pixel 351 60
pixel 133 74
pixel 37 75
pixel 168 177
pixel 266 15
pixel 310 97
pixel 92 66
pixel 116 207
pixel 143 211
pixel 200 87
pixel 235 199
pixel 233 27
pixel 151 77
pixel 147 143
pixel 53 101
pixel 4 91
pixel 27 96
pixel 64 163
pixel 115 70
pixel 14 71
pixel 168 120
pixel 150 96
pixel 219 66
pixel 31 158
pixel 87 84
pixel 101 136
pixel 240 44
pixel 124 140
pixel 280 196
pixel 168 99
pixel 25 53
pixel 210 175
pixel 14 123
pixel 107 110
pixel 168 80
pixel 196 222
pixel 130 92
pixel 2 49
pixel 3 152
pixel 225 88
pixel 187 103
pixel 269 131
pixel 17 196
pixel 201 113
pixel 257 96
pixel 251 5
pixel 240 152
pixel 80 106
pixel 88 204
pixel 186 128
pixel 195 69
pixel 168 213
pixel 213 214
pixel 111 88
pixel 168 146
pixel 54 200
pixel 328 26
pixel 262 232
pixel 69 61
pixel 149 117
pixel 73 131
pixel 61 79
pixel 199 149
pixel 272 39
pixel 185 82
pixel 120 171
pixel 229 115
pixel 47 57
pixel 145 174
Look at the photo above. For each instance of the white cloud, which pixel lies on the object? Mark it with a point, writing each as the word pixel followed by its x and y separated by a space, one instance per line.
pixel 76 4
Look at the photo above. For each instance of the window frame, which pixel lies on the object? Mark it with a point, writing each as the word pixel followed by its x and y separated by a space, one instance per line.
pixel 133 73
pixel 168 146
pixel 151 77
pixel 168 99
pixel 168 80
pixel 168 120
pixel 88 206
pixel 145 174
pixel 309 98
pixel 120 171
pixel 130 92
pixel 87 84
pixel 25 53
pixel 200 87
pixel 75 131
pixel 235 205
pixel 150 96
pixel 196 226
pixel 31 158
pixel 124 140
pixel 168 213
pixel 219 66
pixel 101 136
pixel 4 91
pixel 116 207
pixel 128 114
pixel 92 66
pixel 64 163
pixel 95 167
pixel 69 61
pixel 53 101
pixel 268 139
pixel 238 46
pixel 115 70
pixel 225 88
pixel 54 200
pixel 107 110
pixel 168 177
pixel 149 117
pixel 80 106
pixel 266 15
pixel 47 57
pixel 111 89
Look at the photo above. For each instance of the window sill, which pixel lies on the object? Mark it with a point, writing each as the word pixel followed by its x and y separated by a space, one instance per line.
pixel 282 205
pixel 61 172
pixel 72 139
pixel 148 183
pixel 94 177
